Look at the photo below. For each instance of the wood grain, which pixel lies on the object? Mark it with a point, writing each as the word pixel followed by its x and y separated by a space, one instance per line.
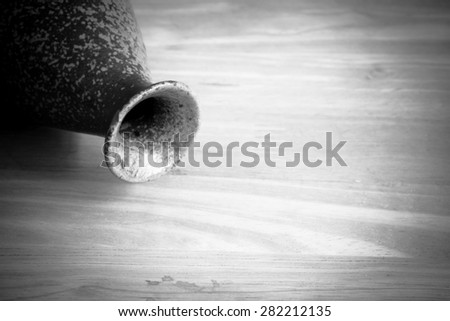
pixel 375 73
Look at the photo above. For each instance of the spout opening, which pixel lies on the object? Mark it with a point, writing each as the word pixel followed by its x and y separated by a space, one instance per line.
pixel 138 144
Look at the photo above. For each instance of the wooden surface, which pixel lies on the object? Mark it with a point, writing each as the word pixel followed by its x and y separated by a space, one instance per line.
pixel 375 73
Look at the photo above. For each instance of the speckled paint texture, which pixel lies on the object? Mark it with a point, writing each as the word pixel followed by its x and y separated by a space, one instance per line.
pixel 76 64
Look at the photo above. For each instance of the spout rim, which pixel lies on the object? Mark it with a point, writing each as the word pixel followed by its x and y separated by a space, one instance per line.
pixel 115 125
